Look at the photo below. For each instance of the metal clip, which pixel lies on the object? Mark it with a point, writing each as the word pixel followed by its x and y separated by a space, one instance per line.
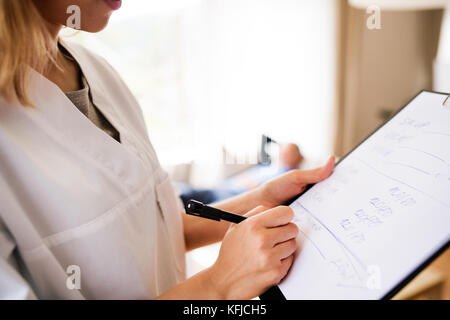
pixel 446 102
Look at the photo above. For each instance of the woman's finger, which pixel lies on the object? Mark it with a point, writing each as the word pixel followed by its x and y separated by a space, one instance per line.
pixel 283 233
pixel 255 211
pixel 285 249
pixel 283 269
pixel 285 266
pixel 315 175
pixel 278 216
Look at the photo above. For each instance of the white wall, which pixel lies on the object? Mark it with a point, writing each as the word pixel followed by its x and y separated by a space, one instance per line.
pixel 214 73
pixel 260 66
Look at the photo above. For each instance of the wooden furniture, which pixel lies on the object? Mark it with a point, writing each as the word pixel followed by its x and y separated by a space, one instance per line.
pixel 432 283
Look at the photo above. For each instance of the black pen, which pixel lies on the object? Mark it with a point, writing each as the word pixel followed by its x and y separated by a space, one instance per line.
pixel 196 208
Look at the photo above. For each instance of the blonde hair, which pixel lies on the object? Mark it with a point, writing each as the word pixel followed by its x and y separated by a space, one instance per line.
pixel 24 42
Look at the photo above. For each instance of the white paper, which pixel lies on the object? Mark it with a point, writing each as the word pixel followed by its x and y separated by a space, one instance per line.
pixel 383 212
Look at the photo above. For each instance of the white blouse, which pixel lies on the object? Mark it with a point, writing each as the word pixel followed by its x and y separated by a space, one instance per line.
pixel 73 197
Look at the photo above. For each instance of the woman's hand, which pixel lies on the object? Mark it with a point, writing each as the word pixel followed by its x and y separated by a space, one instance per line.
pixel 255 254
pixel 258 252
pixel 279 190
pixel 200 232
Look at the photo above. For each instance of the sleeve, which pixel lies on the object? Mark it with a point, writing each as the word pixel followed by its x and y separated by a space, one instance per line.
pixel 12 285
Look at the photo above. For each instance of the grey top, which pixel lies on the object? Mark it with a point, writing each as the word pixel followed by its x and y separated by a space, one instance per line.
pixel 83 101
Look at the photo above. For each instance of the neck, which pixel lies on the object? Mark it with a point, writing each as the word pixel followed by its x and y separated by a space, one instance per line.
pixel 66 74
pixel 53 30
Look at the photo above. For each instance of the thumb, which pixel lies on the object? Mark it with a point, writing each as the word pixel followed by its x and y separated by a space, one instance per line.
pixel 255 211
pixel 316 175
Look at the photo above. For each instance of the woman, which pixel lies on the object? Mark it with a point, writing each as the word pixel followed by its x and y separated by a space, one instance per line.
pixel 81 187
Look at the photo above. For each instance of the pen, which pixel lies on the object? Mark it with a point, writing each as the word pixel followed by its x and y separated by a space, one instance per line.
pixel 196 208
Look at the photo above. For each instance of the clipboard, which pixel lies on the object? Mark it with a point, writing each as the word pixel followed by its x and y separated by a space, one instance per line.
pixel 275 293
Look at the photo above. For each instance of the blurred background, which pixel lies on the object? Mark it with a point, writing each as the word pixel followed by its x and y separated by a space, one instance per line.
pixel 212 76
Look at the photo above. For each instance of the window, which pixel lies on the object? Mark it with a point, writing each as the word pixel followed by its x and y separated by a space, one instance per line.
pixel 218 73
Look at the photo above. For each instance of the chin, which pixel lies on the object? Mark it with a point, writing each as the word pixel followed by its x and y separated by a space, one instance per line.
pixel 97 26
